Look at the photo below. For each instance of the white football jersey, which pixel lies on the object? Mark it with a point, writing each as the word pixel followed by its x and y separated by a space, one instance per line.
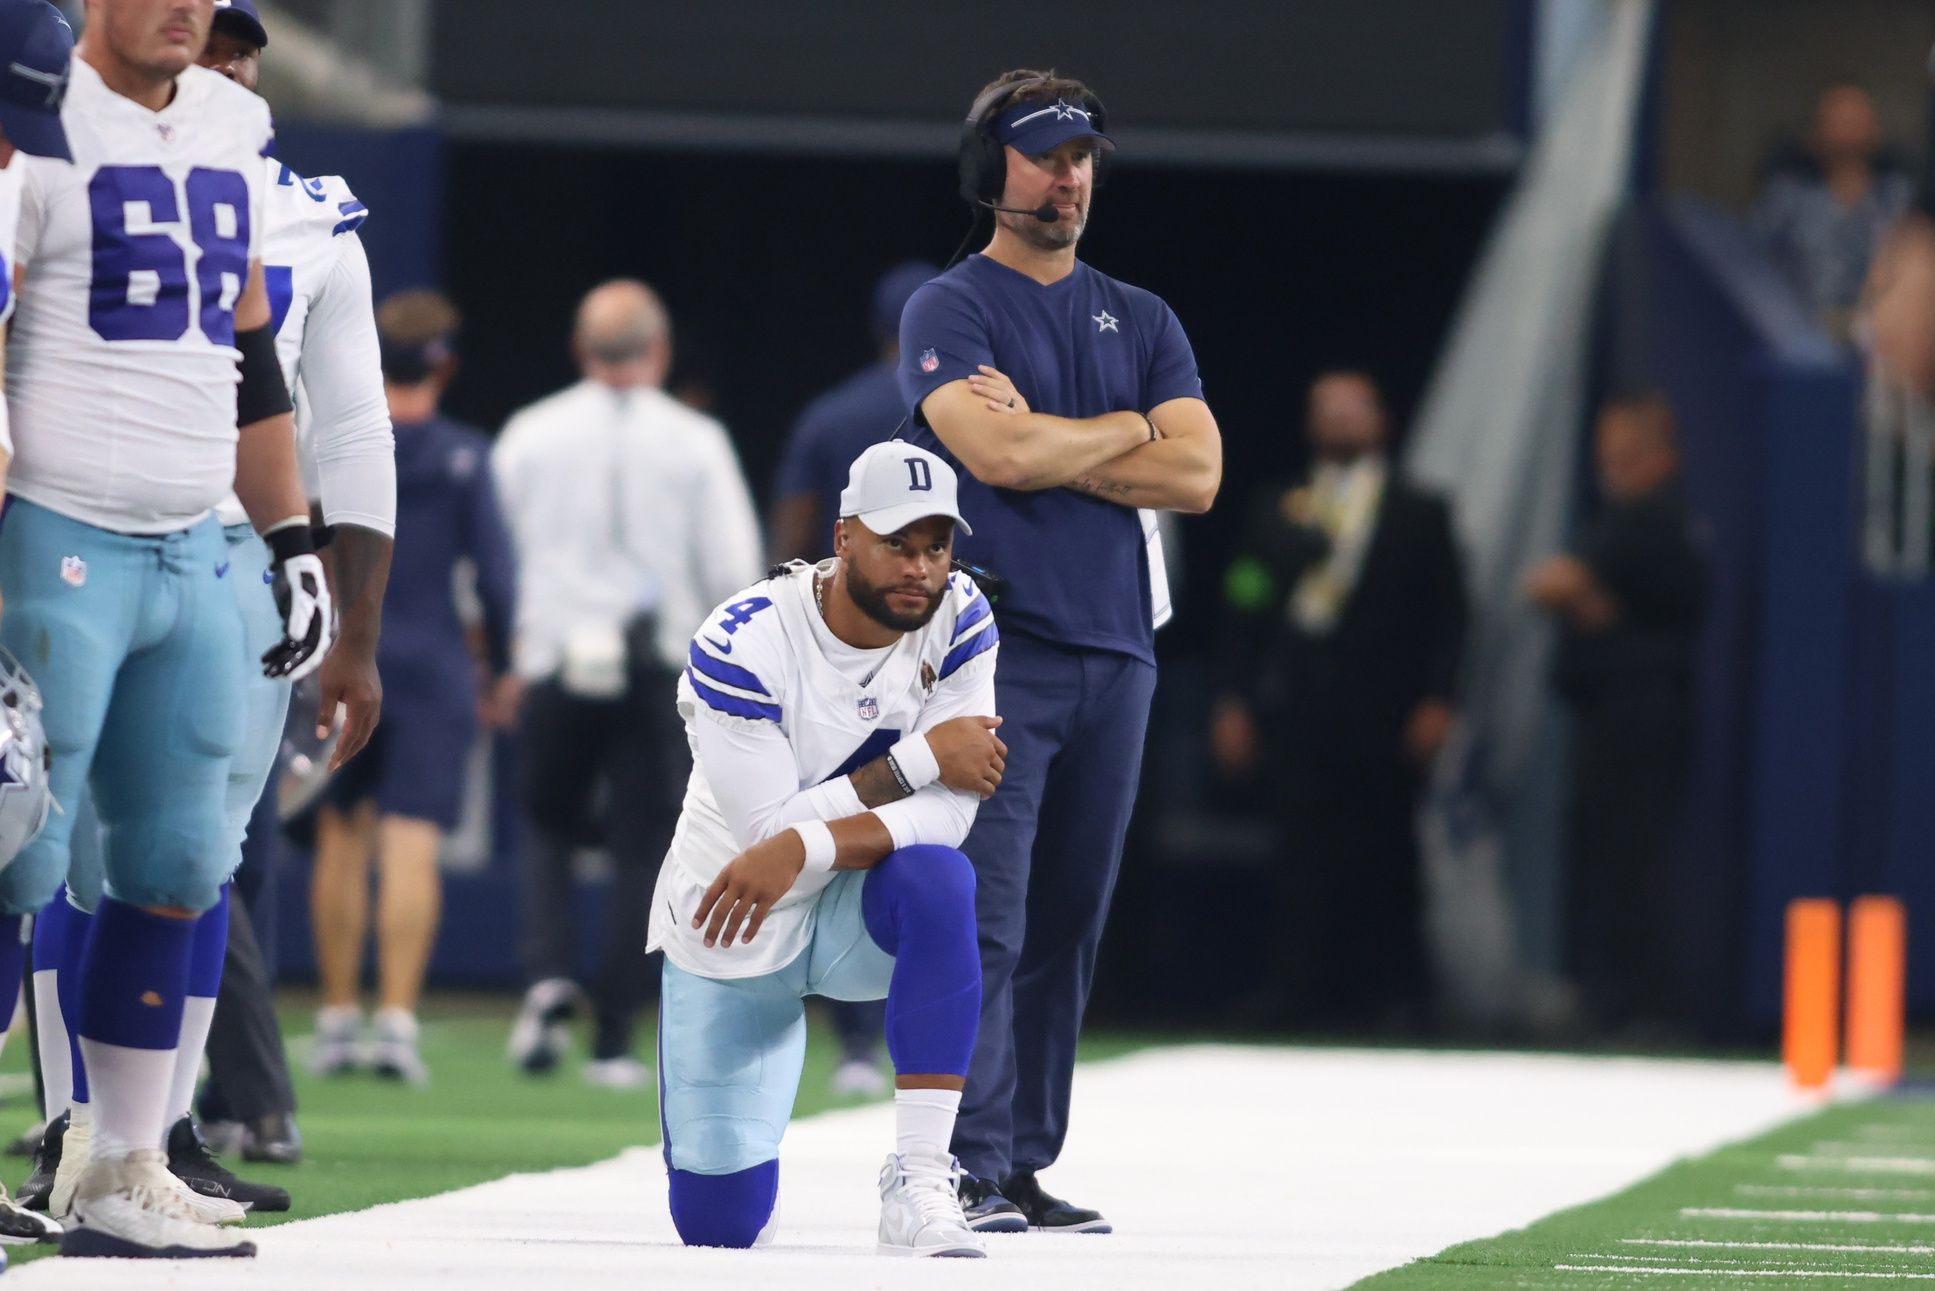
pixel 757 664
pixel 325 334
pixel 121 367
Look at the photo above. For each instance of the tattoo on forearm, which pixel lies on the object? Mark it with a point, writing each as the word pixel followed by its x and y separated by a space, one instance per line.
pixel 876 785
pixel 1104 489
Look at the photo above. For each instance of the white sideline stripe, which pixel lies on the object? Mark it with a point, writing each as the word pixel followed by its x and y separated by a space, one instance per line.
pixel 1288 1169
pixel 1857 1165
pixel 1893 1132
pixel 1846 1194
pixel 1805 1216
pixel 1877 1248
pixel 1709 1271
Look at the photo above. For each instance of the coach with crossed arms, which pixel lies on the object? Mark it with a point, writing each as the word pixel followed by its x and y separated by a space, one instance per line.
pixel 1072 400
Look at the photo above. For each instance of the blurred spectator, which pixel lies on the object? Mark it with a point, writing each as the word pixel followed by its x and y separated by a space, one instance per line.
pixel 1629 603
pixel 397 800
pixel 1902 289
pixel 837 426
pixel 1823 217
pixel 1348 624
pixel 631 521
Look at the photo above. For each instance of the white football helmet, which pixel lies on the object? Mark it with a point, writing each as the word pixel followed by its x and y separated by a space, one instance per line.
pixel 25 795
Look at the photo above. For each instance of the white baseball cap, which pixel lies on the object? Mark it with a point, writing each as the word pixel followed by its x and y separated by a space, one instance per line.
pixel 892 485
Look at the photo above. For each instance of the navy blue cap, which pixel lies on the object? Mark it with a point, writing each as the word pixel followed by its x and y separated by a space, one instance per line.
pixel 894 289
pixel 243 17
pixel 36 45
pixel 1035 128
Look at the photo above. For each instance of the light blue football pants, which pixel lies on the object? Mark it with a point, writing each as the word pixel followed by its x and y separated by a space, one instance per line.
pixel 137 646
pixel 266 706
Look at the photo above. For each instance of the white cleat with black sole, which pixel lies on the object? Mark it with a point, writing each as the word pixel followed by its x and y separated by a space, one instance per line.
pixel 920 1208
pixel 132 1208
pixel 22 1227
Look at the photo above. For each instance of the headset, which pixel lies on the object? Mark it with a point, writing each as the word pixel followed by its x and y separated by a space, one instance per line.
pixel 983 165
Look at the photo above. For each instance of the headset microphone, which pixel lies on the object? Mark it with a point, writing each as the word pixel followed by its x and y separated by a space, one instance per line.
pixel 1046 212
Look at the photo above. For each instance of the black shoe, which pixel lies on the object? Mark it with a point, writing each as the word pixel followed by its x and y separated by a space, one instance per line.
pixel 1048 1214
pixel 273 1139
pixel 29 1141
pixel 987 1210
pixel 33 1194
pixel 190 1161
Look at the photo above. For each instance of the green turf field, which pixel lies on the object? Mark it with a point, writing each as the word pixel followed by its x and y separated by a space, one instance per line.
pixel 367 1141
pixel 1842 1198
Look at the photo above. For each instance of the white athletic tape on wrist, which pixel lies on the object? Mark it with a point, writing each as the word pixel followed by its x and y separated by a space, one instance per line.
pixel 820 847
pixel 915 757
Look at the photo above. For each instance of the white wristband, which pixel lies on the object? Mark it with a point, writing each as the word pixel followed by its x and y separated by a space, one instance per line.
pixel 915 758
pixel 820 847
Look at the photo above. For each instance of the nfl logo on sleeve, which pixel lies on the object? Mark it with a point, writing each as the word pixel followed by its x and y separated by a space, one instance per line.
pixel 929 360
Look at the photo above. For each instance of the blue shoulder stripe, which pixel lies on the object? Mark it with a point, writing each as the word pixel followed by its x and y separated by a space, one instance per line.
pixel 355 212
pixel 730 674
pixel 979 643
pixel 976 611
pixel 731 705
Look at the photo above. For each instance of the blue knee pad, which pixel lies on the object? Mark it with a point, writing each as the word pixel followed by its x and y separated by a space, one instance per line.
pixel 919 908
pixel 724 1209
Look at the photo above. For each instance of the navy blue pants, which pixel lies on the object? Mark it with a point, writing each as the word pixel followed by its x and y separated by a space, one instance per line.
pixel 1045 850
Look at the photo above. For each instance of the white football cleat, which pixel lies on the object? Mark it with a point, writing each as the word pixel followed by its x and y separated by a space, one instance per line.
pixel 132 1208
pixel 540 1037
pixel 337 1047
pixel 75 1150
pixel 920 1208
pixel 393 1047
pixel 207 1209
pixel 622 1072
pixel 858 1078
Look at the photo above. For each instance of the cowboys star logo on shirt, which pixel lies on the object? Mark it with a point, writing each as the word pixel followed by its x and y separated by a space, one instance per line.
pixel 869 709
pixel 929 360
pixel 1105 322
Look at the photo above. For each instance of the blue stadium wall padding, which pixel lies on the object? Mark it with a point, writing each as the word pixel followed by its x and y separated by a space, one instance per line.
pixel 1768 414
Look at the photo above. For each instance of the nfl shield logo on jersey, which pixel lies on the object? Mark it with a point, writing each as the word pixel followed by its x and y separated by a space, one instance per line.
pixel 869 709
pixel 73 570
pixel 929 360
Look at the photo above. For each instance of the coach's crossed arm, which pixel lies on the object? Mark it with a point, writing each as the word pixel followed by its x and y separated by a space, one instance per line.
pixel 1015 448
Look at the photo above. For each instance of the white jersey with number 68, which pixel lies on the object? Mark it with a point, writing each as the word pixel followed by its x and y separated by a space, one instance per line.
pixel 121 369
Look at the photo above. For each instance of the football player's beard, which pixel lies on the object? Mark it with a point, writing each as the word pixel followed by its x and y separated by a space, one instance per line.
pixel 873 603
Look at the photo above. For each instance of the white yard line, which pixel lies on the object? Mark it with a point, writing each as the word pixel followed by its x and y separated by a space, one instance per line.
pixel 1632 1270
pixel 1245 1167
pixel 1843 1194
pixel 1858 1165
pixel 1804 1216
pixel 1871 1248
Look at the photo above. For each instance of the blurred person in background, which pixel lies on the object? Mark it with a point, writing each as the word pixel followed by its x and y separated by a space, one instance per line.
pixel 1902 287
pixel 396 802
pixel 838 426
pixel 834 429
pixel 631 519
pixel 1347 625
pixel 1823 217
pixel 1628 603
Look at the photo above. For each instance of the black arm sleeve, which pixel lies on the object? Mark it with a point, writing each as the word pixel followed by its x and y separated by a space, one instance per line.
pixel 263 393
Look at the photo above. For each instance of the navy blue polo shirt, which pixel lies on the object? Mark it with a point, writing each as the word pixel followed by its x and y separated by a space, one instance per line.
pixel 834 429
pixel 1088 345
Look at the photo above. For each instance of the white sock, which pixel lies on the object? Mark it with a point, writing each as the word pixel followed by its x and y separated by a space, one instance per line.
pixel 924 1120
pixel 56 1059
pixel 132 1087
pixel 197 1012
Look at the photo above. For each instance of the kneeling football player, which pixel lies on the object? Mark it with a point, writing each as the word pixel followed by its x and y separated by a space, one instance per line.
pixel 842 725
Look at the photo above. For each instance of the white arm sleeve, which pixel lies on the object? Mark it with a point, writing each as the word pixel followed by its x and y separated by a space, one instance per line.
pixel 754 778
pixel 938 814
pixel 343 403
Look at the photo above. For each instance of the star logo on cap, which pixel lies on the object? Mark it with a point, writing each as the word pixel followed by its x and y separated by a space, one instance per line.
pixel 54 82
pixel 1064 111
pixel 1105 322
